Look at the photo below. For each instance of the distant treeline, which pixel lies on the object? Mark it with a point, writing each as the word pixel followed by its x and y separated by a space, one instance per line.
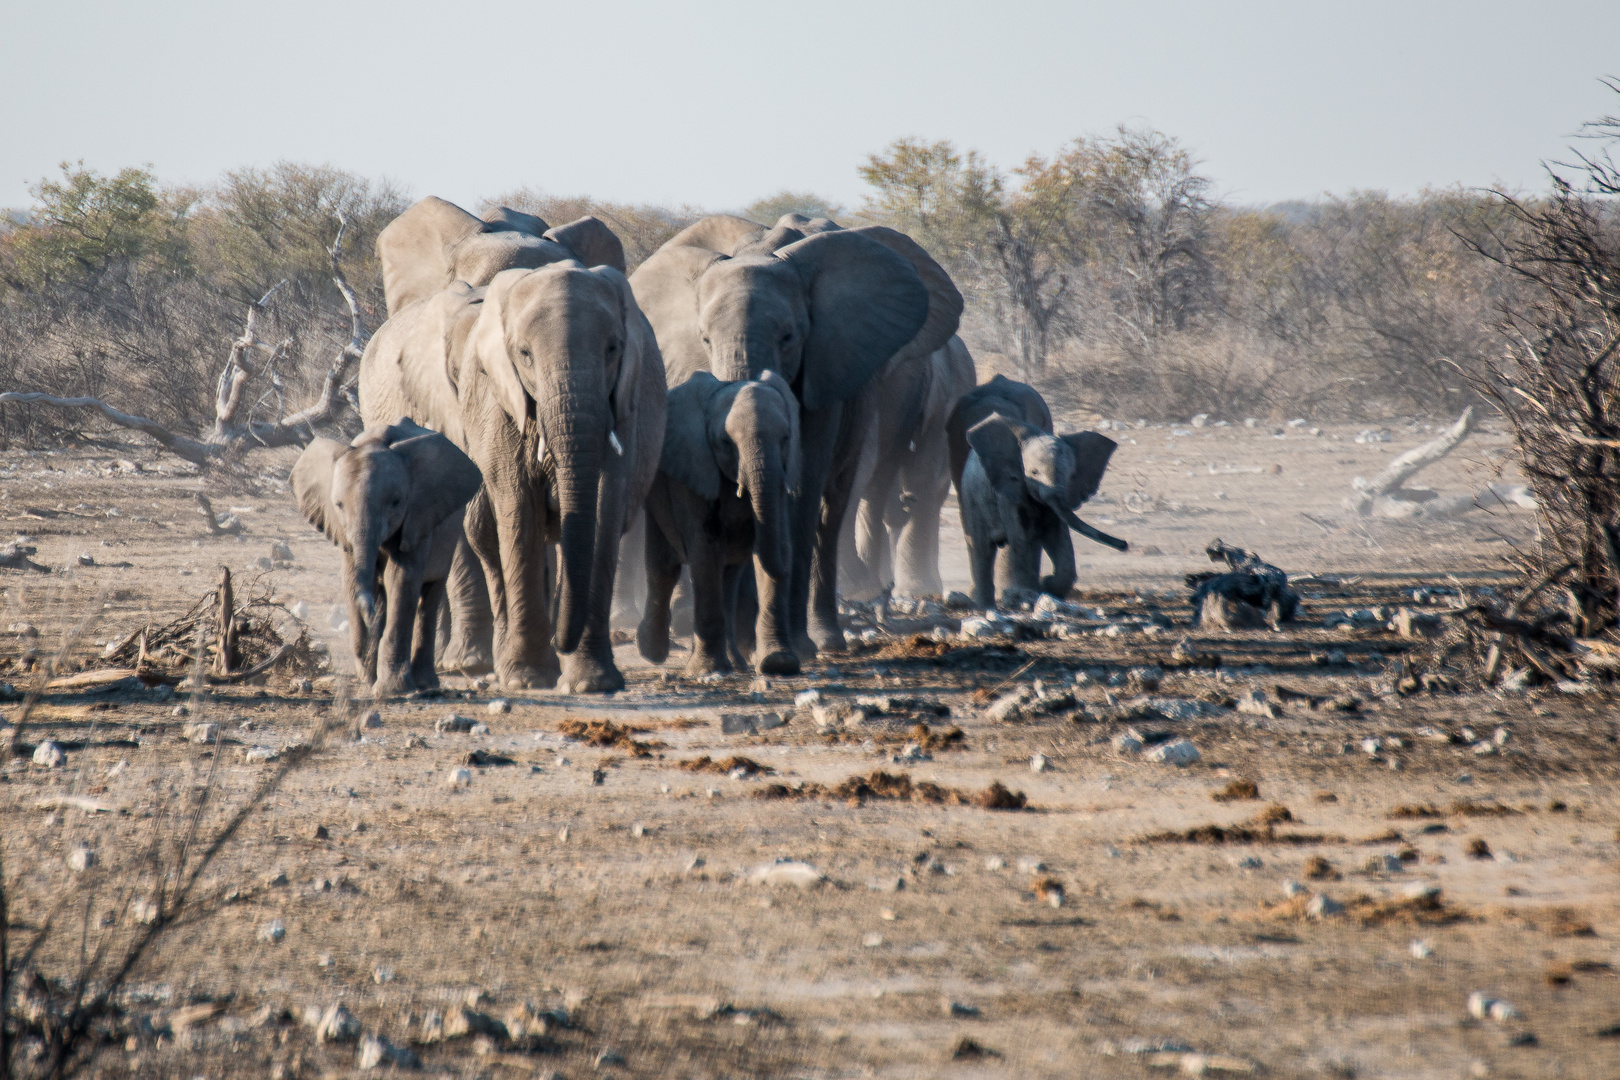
pixel 1108 274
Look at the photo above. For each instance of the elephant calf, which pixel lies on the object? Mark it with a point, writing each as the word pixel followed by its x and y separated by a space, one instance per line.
pixel 1019 489
pixel 392 500
pixel 729 468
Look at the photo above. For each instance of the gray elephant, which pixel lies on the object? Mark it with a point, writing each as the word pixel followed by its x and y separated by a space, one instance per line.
pixel 825 308
pixel 892 540
pixel 1014 400
pixel 721 501
pixel 392 500
pixel 525 346
pixel 1020 488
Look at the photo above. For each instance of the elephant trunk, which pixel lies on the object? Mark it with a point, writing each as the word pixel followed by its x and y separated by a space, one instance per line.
pixel 575 423
pixel 363 576
pixel 773 537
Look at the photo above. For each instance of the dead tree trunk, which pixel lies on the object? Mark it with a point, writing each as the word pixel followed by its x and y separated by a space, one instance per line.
pixel 234 433
pixel 1388 487
pixel 225 660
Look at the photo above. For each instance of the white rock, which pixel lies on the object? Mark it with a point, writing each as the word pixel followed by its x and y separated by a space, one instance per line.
pixel 256 754
pixel 143 911
pixel 337 1024
pixel 1479 1006
pixel 49 755
pixel 1038 763
pixel 299 611
pixel 204 731
pixel 1502 1012
pixel 872 941
pixel 454 723
pixel 807 699
pixel 1006 709
pixel 478 729
pixel 273 931
pixel 995 862
pixel 1420 890
pixel 1384 864
pixel 81 858
pixel 1127 744
pixel 337 618
pixel 978 627
pixel 1371 746
pixel 498 706
pixel 1322 905
pixel 1292 889
pixel 1483 748
pixel 786 872
pixel 1420 950
pixel 1174 752
pixel 1501 736
pixel 459 778
pixel 1029 864
pixel 1254 703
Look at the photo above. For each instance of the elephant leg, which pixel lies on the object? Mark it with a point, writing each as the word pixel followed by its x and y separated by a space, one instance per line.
pixel 508 537
pixel 402 581
pixel 982 566
pixel 1024 553
pixel 663 571
pixel 629 586
pixel 708 613
pixel 818 438
pixel 857 571
pixel 742 610
pixel 680 609
pixel 361 639
pixel 1058 544
pixel 469 648
pixel 590 668
pixel 823 613
pixel 916 571
pixel 773 642
pixel 423 672
pixel 730 581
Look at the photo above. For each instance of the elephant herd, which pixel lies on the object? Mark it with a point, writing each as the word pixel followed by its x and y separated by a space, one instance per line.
pixel 539 426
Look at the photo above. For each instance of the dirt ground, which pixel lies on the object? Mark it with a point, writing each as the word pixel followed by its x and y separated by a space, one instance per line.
pixel 644 912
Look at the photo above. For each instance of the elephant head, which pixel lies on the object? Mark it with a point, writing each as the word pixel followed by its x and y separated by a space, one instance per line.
pixel 743 434
pixel 1059 472
pixel 389 488
pixel 563 348
pixel 822 306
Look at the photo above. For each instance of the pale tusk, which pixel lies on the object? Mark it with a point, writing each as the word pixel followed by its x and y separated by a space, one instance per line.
pixel 540 448
pixel 741 494
pixel 613 441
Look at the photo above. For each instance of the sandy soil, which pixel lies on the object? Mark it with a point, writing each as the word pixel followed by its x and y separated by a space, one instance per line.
pixel 616 888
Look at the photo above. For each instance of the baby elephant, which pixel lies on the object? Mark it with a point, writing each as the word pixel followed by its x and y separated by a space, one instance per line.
pixel 729 468
pixel 392 499
pixel 1020 488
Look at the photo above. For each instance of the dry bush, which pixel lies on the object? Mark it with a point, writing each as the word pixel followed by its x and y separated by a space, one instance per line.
pixel 641 228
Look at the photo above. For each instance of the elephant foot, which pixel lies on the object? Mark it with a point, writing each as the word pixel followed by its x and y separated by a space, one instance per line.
pixel 584 673
pixel 393 684
pixel 1056 587
pixel 652 641
pixel 528 676
pixel 425 678
pixel 467 658
pixel 703 663
pixel 827 638
pixel 779 662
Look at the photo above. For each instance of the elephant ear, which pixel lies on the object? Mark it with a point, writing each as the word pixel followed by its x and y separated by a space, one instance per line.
pixel 493 355
pixel 443 479
pixel 865 303
pixel 1091 454
pixel 792 465
pixel 944 298
pixel 783 233
pixel 687 455
pixel 592 241
pixel 312 485
pixel 666 292
pixel 997 441
pixel 506 219
pixel 640 350
pixel 416 250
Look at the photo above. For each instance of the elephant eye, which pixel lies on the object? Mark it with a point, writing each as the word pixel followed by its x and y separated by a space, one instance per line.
pixel 339 504
pixel 787 338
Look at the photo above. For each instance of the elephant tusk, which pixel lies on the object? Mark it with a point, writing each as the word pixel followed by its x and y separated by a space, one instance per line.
pixel 613 441
pixel 741 493
pixel 540 448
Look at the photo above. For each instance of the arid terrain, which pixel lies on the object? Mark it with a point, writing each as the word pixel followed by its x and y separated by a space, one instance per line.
pixel 605 902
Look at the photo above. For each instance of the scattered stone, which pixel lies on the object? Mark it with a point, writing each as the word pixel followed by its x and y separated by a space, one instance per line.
pixel 1478 849
pixel 143 911
pixel 81 858
pixel 1383 864
pixel 607 1057
pixel 454 723
pixel 459 778
pixel 786 872
pixel 1371 746
pixel 201 732
pixel 958 1010
pixel 373 720
pixel 498 706
pixel 1174 752
pixel 49 755
pixel 1420 950
pixel 1322 906
pixel 259 754
pixel 273 931
pixel 276 880
pixel 337 1025
pixel 1254 703
pixel 1292 889
pixel 1128 742
pixel 1039 763
pixel 1007 708
pixel 376 1051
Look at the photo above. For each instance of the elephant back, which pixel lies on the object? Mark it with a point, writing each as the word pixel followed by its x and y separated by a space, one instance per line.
pixel 1012 399
pixel 435 243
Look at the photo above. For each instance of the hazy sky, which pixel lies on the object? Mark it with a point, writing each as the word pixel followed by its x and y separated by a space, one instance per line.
pixel 721 102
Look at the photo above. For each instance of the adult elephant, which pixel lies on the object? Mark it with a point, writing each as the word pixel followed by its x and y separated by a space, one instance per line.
pixel 524 345
pixel 892 540
pixel 826 308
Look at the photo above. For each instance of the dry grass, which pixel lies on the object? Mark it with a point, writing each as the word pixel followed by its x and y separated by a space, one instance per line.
pixel 1237 790
pixel 726 766
pixel 605 733
pixel 899 787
